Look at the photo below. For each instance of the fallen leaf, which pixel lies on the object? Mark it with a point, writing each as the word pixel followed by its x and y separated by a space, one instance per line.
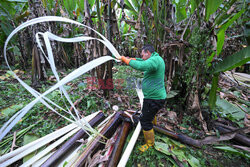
pixel 169 127
pixel 242 148
pixel 247 120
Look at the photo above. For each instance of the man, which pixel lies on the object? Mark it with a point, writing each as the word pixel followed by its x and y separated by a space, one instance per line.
pixel 153 88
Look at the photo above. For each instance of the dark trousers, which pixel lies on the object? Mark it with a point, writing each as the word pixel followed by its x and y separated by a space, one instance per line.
pixel 149 110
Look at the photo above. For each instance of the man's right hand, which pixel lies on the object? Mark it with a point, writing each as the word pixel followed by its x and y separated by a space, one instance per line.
pixel 126 59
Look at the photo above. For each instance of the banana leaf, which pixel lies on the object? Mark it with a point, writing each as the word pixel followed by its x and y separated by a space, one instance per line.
pixel 229 63
pixel 234 151
pixel 230 109
pixel 221 33
pixel 212 93
pixel 233 61
pixel 211 7
pixel 28 138
pixel 181 13
pixel 70 6
pixel 172 147
pixel 10 110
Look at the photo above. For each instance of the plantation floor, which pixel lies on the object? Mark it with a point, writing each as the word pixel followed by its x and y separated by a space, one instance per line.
pixel 42 121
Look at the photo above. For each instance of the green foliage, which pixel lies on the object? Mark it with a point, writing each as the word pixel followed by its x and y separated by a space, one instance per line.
pixel 233 61
pixel 212 93
pixel 130 7
pixel 171 147
pixel 150 158
pixel 181 13
pixel 6 143
pixel 10 110
pixel 231 111
pixel 234 151
pixel 211 7
pixel 172 94
pixel 28 138
pixel 194 5
pixel 195 64
pixel 70 6
pixel 80 4
pixel 228 63
pixel 221 33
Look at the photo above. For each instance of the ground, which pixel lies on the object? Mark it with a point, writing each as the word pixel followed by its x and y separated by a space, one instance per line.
pixel 41 121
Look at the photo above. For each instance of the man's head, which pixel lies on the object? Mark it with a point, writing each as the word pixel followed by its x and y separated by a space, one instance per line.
pixel 146 51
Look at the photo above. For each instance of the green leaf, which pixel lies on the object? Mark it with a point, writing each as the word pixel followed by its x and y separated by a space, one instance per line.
pixel 247 32
pixel 172 147
pixel 194 5
pixel 11 110
pixel 129 6
pixel 7 28
pixel 91 3
pixel 66 87
pixel 232 150
pixel 50 4
pixel 172 94
pixel 212 93
pixel 211 7
pixel 81 85
pixel 233 61
pixel 89 103
pixel 210 59
pixel 230 109
pixel 136 4
pixel 27 139
pixel 70 6
pixel 80 3
pixel 181 10
pixel 221 33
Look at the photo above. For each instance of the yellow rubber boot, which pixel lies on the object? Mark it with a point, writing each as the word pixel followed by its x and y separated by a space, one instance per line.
pixel 149 137
pixel 154 121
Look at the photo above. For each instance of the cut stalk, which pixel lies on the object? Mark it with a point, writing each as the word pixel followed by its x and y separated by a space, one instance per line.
pixel 29 148
pixel 71 143
pixel 123 161
pixel 107 131
pixel 119 144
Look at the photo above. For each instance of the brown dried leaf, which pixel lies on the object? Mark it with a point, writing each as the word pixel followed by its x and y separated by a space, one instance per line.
pixel 182 128
pixel 97 158
pixel 242 148
pixel 247 120
pixel 215 139
pixel 172 116
pixel 169 127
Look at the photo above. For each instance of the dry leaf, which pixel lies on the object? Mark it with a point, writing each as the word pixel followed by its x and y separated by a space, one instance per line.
pixel 242 148
pixel 169 127
pixel 247 120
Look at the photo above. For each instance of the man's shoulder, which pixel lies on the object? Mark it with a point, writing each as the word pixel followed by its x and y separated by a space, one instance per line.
pixel 156 56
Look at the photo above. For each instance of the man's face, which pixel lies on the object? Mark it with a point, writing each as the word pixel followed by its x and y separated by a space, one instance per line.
pixel 145 54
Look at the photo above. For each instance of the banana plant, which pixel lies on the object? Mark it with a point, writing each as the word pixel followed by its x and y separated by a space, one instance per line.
pixel 232 61
pixel 12 13
pixel 229 63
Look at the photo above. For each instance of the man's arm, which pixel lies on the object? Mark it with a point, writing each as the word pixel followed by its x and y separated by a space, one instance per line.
pixel 147 65
pixel 139 59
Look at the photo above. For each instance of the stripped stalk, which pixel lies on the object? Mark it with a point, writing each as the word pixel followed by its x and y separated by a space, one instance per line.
pixel 119 144
pixel 71 143
pixel 107 131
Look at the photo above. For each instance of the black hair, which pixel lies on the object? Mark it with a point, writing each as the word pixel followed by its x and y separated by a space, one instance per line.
pixel 149 48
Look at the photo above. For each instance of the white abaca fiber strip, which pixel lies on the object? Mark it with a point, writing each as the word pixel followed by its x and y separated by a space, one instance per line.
pixel 124 159
pixel 81 70
pixel 19 153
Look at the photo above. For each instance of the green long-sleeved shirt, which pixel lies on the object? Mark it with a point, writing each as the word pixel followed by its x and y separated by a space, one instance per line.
pixel 153 86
